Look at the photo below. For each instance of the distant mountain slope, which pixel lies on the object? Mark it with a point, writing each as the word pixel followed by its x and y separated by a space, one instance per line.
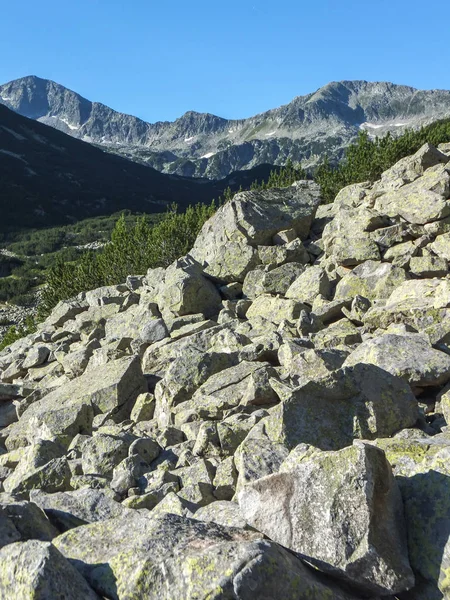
pixel 48 177
pixel 205 145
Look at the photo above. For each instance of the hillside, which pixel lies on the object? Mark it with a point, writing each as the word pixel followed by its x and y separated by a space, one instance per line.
pixel 205 145
pixel 48 177
pixel 267 417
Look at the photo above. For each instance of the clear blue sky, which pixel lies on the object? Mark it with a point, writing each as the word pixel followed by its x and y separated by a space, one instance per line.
pixel 233 58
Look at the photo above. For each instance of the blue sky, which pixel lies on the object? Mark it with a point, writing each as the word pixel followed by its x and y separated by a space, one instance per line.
pixel 233 58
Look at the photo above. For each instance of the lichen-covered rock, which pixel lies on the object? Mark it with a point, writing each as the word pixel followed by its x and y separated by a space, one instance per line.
pixel 275 281
pixel 69 409
pixel 257 457
pixel 42 466
pixel 343 510
pixel 173 558
pixel 409 356
pixel 428 266
pixel 36 570
pixel 312 282
pixel 410 168
pixel 223 513
pixel 27 518
pixel 409 303
pixel 102 452
pixel 340 333
pixel 362 402
pixel 226 245
pixel 144 408
pixel 424 200
pixel 186 291
pixel 372 280
pixel 185 375
pixel 441 246
pixel 303 364
pixel 275 309
pixel 71 509
pixel 421 466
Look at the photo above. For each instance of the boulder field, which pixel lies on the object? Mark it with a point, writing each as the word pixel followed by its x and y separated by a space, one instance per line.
pixel 265 419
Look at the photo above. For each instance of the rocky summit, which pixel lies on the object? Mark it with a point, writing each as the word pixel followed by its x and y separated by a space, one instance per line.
pixel 267 418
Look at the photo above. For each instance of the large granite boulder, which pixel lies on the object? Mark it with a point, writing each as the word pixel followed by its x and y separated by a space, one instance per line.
pixel 362 402
pixel 70 409
pixel 186 291
pixel 342 510
pixel 422 201
pixel 174 558
pixel 226 245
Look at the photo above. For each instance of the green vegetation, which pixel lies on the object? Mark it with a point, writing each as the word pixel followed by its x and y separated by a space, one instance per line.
pixel 134 248
pixel 366 159
pixel 133 243
pixel 282 177
pixel 16 333
pixel 35 251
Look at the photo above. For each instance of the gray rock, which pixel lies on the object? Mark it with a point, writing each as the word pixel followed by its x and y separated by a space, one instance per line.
pixel 154 331
pixel 312 282
pixel 276 281
pixel 275 309
pixel 102 452
pixel 158 558
pixel 421 201
pixel 186 291
pixel 8 413
pixel 36 356
pixel 257 457
pixel 223 513
pixel 372 280
pixel 73 508
pixel 69 410
pixel 428 266
pixel 185 375
pixel 343 510
pixel 8 532
pixel 362 402
pixel 441 246
pixel 64 311
pixel 42 466
pixel 408 356
pixel 28 519
pixel 251 219
pixel 112 294
pixel 38 571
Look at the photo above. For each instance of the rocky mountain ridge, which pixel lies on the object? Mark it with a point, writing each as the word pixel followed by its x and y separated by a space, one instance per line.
pixel 204 145
pixel 265 418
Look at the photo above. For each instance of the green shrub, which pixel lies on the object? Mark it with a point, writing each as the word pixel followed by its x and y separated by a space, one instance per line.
pixel 16 333
pixel 366 159
pixel 283 177
pixel 134 248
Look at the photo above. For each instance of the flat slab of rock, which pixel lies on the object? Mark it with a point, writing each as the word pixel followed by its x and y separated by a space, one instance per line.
pixel 71 509
pixel 175 558
pixel 343 511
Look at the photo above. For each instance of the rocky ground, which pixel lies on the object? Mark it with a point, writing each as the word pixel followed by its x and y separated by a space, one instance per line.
pixel 265 419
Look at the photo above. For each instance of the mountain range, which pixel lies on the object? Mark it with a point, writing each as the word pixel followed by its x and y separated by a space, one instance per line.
pixel 205 145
